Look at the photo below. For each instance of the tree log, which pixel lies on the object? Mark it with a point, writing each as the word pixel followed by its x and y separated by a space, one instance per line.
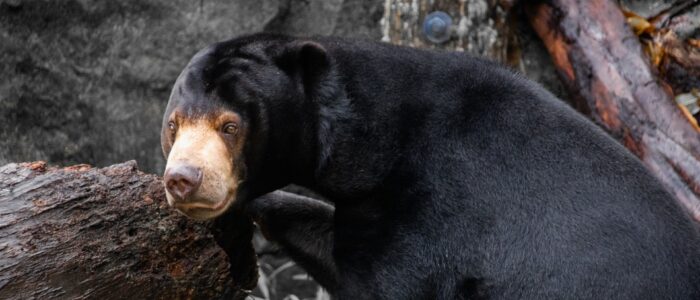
pixel 80 232
pixel 602 63
pixel 478 26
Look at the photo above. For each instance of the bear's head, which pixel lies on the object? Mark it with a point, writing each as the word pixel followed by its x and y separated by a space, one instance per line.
pixel 237 124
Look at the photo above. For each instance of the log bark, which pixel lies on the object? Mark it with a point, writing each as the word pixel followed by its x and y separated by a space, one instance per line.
pixel 478 26
pixel 81 232
pixel 680 64
pixel 602 63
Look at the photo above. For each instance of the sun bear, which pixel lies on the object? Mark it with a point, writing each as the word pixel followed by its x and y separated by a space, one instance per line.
pixel 451 177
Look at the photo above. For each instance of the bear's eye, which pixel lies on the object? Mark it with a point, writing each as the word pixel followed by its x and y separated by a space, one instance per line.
pixel 230 128
pixel 171 126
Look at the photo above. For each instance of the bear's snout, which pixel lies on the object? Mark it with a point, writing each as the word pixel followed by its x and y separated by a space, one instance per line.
pixel 200 179
pixel 182 182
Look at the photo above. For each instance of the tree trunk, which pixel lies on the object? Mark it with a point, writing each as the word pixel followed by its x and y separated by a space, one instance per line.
pixel 79 232
pixel 477 26
pixel 602 63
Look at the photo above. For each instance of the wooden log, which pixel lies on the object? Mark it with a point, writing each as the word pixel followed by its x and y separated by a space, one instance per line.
pixel 680 64
pixel 478 26
pixel 80 232
pixel 676 57
pixel 602 63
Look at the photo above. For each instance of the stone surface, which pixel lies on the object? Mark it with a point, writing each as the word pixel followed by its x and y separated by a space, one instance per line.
pixel 86 81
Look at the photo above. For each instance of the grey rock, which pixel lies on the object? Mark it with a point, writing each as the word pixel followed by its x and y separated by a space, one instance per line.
pixel 86 81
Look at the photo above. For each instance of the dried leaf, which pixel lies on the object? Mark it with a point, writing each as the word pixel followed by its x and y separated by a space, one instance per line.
pixel 694 43
pixel 640 25
pixel 655 50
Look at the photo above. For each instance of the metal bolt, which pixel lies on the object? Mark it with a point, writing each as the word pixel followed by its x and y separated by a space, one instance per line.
pixel 437 27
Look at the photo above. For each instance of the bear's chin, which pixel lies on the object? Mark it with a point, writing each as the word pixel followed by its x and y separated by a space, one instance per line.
pixel 203 212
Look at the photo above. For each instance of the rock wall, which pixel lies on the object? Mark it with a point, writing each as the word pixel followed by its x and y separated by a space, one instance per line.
pixel 86 81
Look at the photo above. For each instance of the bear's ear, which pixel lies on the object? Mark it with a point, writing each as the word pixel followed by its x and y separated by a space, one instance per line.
pixel 306 61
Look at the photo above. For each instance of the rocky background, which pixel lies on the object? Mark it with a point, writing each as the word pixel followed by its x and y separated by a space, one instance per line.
pixel 86 81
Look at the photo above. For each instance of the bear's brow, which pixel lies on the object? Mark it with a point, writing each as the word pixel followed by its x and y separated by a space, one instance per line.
pixel 230 59
pixel 249 56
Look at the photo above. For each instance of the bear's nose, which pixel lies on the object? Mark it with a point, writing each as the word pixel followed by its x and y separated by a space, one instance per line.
pixel 182 181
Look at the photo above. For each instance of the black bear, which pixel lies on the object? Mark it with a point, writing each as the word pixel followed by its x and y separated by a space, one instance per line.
pixel 451 176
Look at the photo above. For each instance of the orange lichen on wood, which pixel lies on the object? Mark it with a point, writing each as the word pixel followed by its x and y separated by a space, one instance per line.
pixel 557 47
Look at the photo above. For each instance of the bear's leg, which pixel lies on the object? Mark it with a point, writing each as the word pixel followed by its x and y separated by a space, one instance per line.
pixel 234 233
pixel 303 226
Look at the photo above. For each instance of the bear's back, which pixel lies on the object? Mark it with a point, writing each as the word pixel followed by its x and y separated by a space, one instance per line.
pixel 527 192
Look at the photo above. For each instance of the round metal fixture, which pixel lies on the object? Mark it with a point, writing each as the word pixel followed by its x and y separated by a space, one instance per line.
pixel 437 27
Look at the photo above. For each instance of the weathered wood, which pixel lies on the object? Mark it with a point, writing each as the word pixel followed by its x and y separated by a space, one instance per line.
pixel 680 64
pixel 80 232
pixel 602 63
pixel 478 26
pixel 672 52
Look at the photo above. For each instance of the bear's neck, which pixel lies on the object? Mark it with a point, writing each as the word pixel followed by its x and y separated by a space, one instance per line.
pixel 354 150
pixel 352 131
pixel 322 145
pixel 293 158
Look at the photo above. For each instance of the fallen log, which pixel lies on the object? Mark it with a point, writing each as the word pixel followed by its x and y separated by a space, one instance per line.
pixel 667 40
pixel 82 232
pixel 602 63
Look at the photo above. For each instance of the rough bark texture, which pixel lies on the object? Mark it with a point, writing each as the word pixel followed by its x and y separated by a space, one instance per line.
pixel 79 232
pixel 479 26
pixel 603 65
pixel 487 28
pixel 680 66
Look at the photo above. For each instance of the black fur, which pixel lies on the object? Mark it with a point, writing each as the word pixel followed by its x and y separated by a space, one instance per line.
pixel 303 227
pixel 451 176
